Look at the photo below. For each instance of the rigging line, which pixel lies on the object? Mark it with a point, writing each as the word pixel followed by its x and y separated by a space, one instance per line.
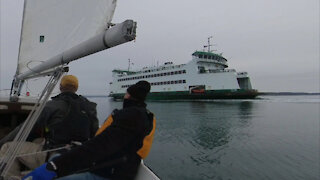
pixel 23 133
pixel 23 136
pixel 12 149
pixel 27 65
pixel 29 126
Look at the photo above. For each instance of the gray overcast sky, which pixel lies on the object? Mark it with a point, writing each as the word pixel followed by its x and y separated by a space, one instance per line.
pixel 275 41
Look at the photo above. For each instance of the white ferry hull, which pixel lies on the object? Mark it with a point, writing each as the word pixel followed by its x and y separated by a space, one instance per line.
pixel 186 95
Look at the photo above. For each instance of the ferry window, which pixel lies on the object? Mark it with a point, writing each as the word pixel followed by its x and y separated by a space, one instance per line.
pixel 165 83
pixel 176 82
pixel 205 56
pixel 184 71
pixel 176 72
pixel 172 73
pixel 172 82
pixel 184 81
pixel 200 56
pixel 161 74
pixel 180 81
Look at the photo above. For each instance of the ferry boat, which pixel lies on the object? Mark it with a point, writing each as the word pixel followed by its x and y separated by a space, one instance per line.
pixel 206 76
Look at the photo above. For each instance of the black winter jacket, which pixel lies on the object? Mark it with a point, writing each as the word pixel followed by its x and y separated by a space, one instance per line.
pixel 67 117
pixel 117 144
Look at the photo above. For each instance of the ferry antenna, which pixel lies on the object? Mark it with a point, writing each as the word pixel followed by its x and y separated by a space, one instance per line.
pixel 129 63
pixel 209 45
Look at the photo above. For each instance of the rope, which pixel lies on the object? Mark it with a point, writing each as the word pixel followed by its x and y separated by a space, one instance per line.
pixel 46 151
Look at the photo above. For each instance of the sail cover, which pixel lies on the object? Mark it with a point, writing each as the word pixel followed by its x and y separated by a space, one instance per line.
pixel 50 27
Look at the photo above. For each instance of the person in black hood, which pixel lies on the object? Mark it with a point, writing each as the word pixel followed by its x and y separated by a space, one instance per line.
pixel 117 149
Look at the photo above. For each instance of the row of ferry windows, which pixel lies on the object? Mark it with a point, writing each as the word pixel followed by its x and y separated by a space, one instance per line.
pixel 154 75
pixel 160 83
pixel 210 57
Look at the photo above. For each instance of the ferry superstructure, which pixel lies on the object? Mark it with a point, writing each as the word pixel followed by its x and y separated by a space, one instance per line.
pixel 205 77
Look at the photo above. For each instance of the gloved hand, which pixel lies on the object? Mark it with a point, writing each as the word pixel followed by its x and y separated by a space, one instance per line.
pixel 41 173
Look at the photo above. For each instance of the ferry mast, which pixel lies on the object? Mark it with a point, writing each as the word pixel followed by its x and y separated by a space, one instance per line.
pixel 209 44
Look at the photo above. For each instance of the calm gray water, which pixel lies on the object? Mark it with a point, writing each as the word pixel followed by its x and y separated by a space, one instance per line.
pixel 273 137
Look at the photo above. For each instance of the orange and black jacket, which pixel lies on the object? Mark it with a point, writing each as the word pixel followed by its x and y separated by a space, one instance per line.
pixel 123 140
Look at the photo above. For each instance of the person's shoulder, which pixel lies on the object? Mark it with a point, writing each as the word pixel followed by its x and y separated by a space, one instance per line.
pixel 87 101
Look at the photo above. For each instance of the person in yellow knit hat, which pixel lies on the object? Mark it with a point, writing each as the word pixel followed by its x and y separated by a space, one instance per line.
pixel 67 117
pixel 115 152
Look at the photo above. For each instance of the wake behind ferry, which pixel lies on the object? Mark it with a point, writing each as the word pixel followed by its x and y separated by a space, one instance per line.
pixel 205 77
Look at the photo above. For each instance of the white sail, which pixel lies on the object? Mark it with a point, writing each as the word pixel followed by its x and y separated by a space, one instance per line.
pixel 52 26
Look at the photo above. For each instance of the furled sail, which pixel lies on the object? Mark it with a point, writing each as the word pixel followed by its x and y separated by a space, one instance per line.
pixel 50 27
